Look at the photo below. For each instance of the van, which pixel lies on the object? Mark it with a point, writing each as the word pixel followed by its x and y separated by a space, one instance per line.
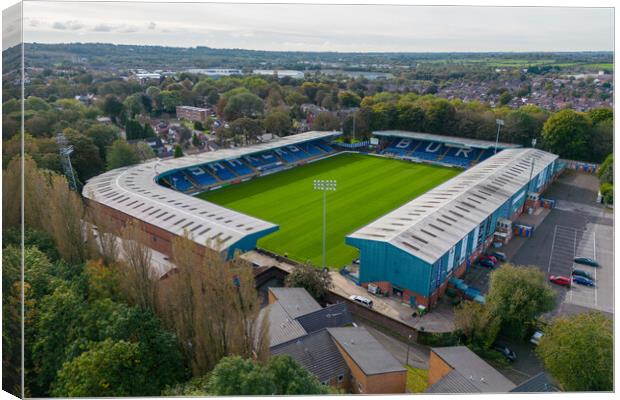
pixel 366 302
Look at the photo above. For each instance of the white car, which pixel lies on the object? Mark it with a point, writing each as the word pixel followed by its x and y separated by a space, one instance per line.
pixel 536 338
pixel 365 301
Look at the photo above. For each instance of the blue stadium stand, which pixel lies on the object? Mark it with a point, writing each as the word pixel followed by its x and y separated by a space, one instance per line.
pixel 429 151
pixel 221 171
pixel 200 176
pixel 323 146
pixel 238 167
pixel 400 147
pixel 257 160
pixel 461 157
pixel 296 152
pixel 180 182
pixel 285 155
pixel 310 148
pixel 486 154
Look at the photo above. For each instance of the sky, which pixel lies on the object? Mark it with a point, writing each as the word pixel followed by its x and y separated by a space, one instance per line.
pixel 296 27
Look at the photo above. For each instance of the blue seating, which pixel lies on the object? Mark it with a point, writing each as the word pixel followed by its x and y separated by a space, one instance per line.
pixel 310 149
pixel 429 151
pixel 238 167
pixel 400 146
pixel 296 152
pixel 486 154
pixel 323 146
pixel 200 176
pixel 285 155
pixel 180 182
pixel 256 160
pixel 221 171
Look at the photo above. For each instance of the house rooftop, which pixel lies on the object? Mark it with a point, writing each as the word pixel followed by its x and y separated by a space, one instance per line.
pixel 295 301
pixel 365 350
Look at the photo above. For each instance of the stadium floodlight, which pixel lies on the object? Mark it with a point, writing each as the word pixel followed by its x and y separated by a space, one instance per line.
pixel 500 123
pixel 325 185
pixel 532 169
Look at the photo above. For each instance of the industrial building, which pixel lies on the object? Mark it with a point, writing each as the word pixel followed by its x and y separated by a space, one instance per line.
pixel 414 250
pixel 192 113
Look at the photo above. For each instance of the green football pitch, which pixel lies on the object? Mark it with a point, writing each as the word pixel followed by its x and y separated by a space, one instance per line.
pixel 368 187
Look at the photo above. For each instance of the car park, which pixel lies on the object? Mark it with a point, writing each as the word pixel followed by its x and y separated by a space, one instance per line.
pixel 559 280
pixel 510 355
pixel 365 301
pixel 579 272
pixel 582 280
pixel 586 261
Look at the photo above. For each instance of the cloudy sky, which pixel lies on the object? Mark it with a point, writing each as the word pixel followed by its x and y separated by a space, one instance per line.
pixel 322 27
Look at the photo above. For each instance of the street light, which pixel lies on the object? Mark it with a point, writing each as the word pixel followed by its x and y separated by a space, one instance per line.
pixel 532 169
pixel 408 344
pixel 500 123
pixel 325 185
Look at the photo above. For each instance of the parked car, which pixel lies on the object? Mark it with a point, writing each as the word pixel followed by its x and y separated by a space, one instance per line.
pixel 489 257
pixel 582 280
pixel 536 338
pixel 499 255
pixel 506 352
pixel 365 301
pixel 486 263
pixel 579 272
pixel 356 261
pixel 586 261
pixel 559 280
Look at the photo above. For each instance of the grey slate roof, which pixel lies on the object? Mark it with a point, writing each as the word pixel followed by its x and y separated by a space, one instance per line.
pixel 317 353
pixel 295 301
pixel 453 382
pixel 537 384
pixel 282 327
pixel 365 350
pixel 332 316
pixel 474 369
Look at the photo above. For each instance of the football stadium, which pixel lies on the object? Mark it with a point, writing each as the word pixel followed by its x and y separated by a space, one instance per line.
pixel 416 209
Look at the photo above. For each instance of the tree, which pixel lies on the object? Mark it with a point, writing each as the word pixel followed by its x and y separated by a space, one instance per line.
pixel 567 133
pixel 278 123
pixel 85 158
pixel 317 282
pixel 121 154
pixel 600 114
pixel 213 307
pixel 505 98
pixel 518 295
pixel 606 170
pixel 476 323
pixel 102 136
pixel 170 99
pixel 281 375
pixel 144 151
pixel 607 191
pixel 325 121
pixel 112 107
pixel 178 151
pixel 348 99
pixel 107 369
pixel 246 128
pixel 243 105
pixel 578 352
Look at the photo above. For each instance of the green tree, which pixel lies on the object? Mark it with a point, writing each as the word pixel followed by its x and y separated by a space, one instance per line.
pixel 112 107
pixel 578 352
pixel 441 117
pixel 85 158
pixel 316 281
pixel 505 98
pixel 600 114
pixel 278 122
pixel 477 324
pixel 170 99
pixel 121 154
pixel 107 369
pixel 243 105
pixel 178 151
pixel 102 136
pixel 281 375
pixel 518 295
pixel 348 99
pixel 325 121
pixel 607 191
pixel 606 170
pixel 247 128
pixel 567 133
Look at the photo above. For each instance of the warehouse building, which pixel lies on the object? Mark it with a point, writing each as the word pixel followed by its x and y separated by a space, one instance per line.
pixel 414 250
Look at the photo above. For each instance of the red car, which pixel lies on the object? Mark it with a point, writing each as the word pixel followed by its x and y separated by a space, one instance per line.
pixel 559 280
pixel 493 259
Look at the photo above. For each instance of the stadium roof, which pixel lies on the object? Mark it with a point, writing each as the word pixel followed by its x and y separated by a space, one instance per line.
pixel 449 140
pixel 133 190
pixel 428 226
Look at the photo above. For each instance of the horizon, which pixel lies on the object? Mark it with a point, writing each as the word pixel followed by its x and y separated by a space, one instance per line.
pixel 324 28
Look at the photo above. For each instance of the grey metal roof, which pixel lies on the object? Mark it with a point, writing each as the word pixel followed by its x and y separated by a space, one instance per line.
pixel 365 350
pixel 539 383
pixel 295 301
pixel 453 140
pixel 480 374
pixel 282 328
pixel 133 190
pixel 429 225
pixel 335 315
pixel 317 353
pixel 453 382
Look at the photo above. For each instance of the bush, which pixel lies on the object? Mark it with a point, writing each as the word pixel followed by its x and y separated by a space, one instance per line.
pixel 607 191
pixel 438 339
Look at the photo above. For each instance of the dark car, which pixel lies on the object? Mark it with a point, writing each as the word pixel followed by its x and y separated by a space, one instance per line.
pixel 489 257
pixel 506 352
pixel 582 280
pixel 499 255
pixel 485 262
pixel 579 272
pixel 586 261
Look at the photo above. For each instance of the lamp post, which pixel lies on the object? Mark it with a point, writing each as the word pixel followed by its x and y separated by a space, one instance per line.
pixel 325 185
pixel 532 169
pixel 500 123
pixel 408 345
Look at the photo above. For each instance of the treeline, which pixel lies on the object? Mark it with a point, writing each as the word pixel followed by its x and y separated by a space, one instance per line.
pixel 99 321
